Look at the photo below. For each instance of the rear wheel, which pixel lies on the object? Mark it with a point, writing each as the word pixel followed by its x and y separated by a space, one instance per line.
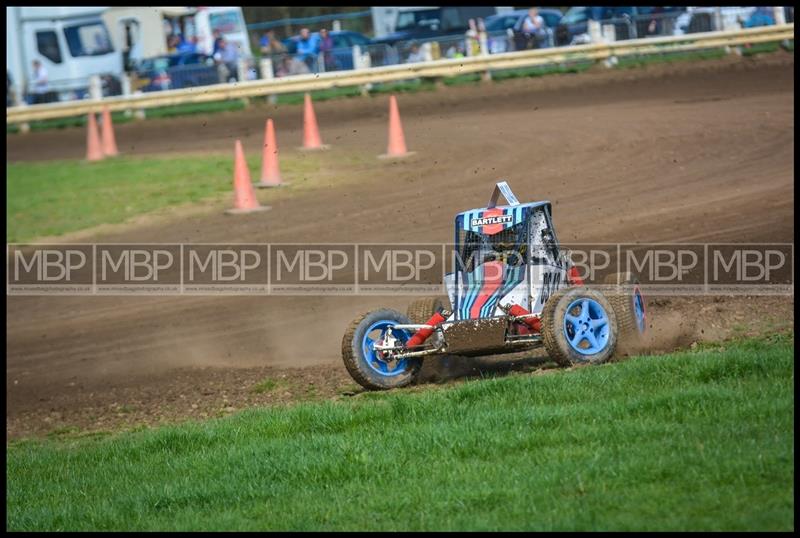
pixel 370 367
pixel 421 310
pixel 435 368
pixel 579 326
pixel 628 303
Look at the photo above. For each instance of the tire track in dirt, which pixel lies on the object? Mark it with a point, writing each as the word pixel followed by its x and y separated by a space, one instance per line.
pixel 684 153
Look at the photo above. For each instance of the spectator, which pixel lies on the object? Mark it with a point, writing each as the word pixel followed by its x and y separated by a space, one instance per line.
pixel 326 47
pixel 269 44
pixel 218 39
pixel 653 26
pixel 455 51
pixel 172 44
pixel 415 55
pixel 275 45
pixel 534 31
pixel 227 60
pixel 186 46
pixel 308 48
pixel 474 46
pixel 40 86
pixel 264 44
pixel 483 37
pixel 762 16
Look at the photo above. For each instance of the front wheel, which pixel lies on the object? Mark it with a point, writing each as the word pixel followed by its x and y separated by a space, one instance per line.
pixel 579 326
pixel 372 368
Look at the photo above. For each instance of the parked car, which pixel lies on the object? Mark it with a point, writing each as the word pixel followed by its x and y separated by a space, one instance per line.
pixel 427 24
pixel 343 43
pixel 175 71
pixel 703 19
pixel 503 29
pixel 629 22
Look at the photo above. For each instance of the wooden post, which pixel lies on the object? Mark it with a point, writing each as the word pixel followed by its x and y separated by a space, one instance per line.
pixel 95 88
pixel 139 113
pixel 609 33
pixel 427 51
pixel 594 31
pixel 267 73
pixel 779 14
pixel 241 69
pixel 126 92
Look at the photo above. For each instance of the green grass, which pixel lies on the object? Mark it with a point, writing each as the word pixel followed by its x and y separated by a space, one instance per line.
pixel 699 440
pixel 540 71
pixel 766 48
pixel 121 117
pixel 634 61
pixel 56 197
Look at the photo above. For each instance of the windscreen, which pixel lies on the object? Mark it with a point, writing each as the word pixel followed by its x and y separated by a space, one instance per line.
pixel 88 39
pixel 227 22
pixel 501 23
pixel 509 246
pixel 408 20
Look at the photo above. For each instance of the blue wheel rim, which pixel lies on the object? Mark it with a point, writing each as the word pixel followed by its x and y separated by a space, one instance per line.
pixel 586 326
pixel 373 358
pixel 638 309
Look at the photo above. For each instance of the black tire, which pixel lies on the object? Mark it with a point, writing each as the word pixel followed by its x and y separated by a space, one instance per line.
pixel 357 364
pixel 553 327
pixel 421 310
pixel 622 299
pixel 435 368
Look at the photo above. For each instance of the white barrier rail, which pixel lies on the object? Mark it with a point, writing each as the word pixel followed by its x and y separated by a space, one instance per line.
pixel 432 69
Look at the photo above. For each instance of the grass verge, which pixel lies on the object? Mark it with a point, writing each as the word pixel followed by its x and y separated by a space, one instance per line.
pixel 698 440
pixel 56 197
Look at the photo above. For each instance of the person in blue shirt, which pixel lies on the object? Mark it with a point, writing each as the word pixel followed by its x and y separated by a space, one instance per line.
pixel 263 44
pixel 186 46
pixel 308 48
pixel 762 16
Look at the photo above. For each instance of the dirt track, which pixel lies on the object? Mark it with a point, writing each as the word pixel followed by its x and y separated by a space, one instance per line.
pixel 691 152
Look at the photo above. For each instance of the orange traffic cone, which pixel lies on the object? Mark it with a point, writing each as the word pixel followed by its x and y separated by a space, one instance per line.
pixel 311 138
pixel 93 150
pixel 244 196
pixel 270 173
pixel 397 142
pixel 107 128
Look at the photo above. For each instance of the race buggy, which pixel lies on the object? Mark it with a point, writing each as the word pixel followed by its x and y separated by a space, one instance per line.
pixel 512 288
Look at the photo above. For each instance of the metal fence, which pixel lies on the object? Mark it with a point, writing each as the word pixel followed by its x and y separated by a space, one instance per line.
pixel 417 51
pixel 180 76
pixel 621 28
pixel 603 51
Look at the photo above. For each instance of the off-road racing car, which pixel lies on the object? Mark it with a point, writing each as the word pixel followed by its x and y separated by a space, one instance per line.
pixel 512 288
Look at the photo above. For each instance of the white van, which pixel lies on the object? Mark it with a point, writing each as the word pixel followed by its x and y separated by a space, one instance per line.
pixel 71 43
